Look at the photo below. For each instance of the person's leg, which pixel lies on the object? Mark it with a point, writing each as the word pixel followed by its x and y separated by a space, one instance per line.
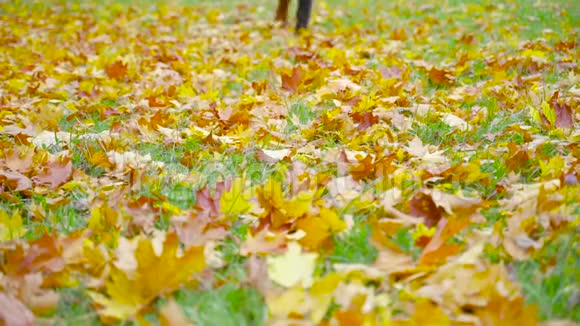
pixel 303 14
pixel 282 11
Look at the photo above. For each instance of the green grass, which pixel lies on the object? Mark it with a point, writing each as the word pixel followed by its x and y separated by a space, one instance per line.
pixel 405 241
pixel 353 247
pixel 81 151
pixel 234 164
pixel 553 286
pixel 74 308
pixel 179 194
pixel 229 305
pixel 302 114
pixel 67 218
pixel 434 132
pixel 234 270
pixel 226 305
pixel 551 279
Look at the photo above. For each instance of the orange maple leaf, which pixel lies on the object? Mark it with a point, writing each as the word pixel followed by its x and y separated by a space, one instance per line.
pixel 504 311
pixel 116 70
pixel 438 249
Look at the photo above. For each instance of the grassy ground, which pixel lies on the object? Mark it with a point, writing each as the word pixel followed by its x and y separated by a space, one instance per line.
pixel 368 35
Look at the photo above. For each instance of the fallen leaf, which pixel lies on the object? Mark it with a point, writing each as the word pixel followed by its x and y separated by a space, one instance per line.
pixel 55 173
pixel 422 205
pixel 13 312
pixel 292 81
pixel 236 200
pixel 264 242
pixel 128 293
pixel 11 227
pixel 427 313
pixel 171 314
pixel 293 267
pixel 511 311
pixel 438 249
pixel 116 70
pixel 319 228
pixel 455 122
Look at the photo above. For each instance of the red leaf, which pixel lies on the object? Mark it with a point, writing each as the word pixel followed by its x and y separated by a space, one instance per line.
pixel 291 82
pixel 210 203
pixel 564 115
pixel 364 119
pixel 422 205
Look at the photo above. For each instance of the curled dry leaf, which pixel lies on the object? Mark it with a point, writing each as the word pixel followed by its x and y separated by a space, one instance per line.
pixel 14 181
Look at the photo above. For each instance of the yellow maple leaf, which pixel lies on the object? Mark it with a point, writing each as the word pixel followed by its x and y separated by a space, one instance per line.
pixel 299 205
pixel 293 267
pixel 271 198
pixel 322 292
pixel 103 218
pixel 293 301
pixel 123 301
pixel 548 112
pixel 367 103
pixel 320 228
pixel 327 284
pixel 505 311
pixel 279 209
pixel 427 313
pixel 128 293
pixel 212 16
pixel 99 158
pixel 11 227
pixel 552 167
pixel 270 195
pixel 169 208
pixel 236 200
pixel 185 91
pixel 332 220
pixel 316 233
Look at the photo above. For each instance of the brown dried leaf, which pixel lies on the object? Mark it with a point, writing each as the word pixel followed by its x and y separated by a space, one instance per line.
pixel 55 173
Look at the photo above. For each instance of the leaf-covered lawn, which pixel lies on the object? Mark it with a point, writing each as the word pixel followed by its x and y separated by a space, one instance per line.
pixel 194 163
